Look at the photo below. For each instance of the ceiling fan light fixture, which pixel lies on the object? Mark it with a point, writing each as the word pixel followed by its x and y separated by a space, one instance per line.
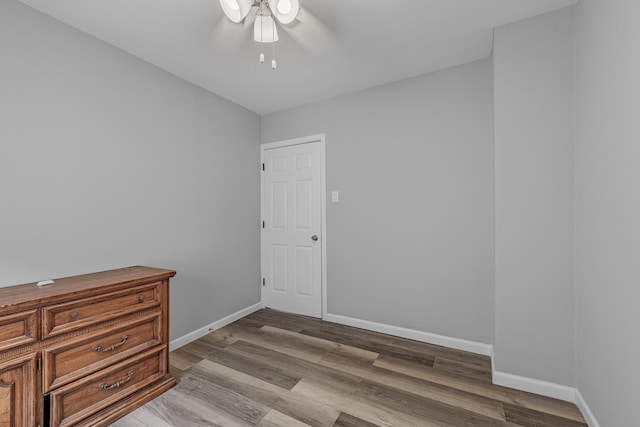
pixel 286 10
pixel 263 12
pixel 284 6
pixel 236 10
pixel 264 29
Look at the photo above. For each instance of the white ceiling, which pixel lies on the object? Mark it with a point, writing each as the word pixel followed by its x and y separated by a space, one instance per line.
pixel 336 47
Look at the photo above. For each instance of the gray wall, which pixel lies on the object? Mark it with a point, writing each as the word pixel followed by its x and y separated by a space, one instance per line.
pixel 106 161
pixel 534 306
pixel 608 209
pixel 410 242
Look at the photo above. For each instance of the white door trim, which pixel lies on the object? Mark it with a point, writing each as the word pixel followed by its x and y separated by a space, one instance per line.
pixel 323 191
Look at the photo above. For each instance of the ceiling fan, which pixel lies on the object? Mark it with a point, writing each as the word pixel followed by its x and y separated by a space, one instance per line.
pixel 263 13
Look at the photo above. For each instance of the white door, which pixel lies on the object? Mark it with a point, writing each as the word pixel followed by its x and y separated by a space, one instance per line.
pixel 292 229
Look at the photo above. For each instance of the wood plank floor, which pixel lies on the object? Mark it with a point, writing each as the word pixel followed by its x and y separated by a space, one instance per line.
pixel 278 369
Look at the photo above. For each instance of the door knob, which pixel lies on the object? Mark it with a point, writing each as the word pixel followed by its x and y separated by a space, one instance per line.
pixel 314 237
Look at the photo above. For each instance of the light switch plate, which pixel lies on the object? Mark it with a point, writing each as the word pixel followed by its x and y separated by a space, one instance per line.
pixel 335 196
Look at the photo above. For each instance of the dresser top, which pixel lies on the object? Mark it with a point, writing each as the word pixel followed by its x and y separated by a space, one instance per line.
pixel 30 295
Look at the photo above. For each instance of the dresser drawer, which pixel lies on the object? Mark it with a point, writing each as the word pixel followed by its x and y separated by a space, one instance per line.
pixel 85 354
pixel 18 329
pixel 62 318
pixel 79 400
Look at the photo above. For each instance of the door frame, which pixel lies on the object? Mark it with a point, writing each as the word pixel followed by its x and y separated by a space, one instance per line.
pixel 323 206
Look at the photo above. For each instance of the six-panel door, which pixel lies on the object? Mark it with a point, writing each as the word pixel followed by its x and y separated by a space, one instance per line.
pixel 292 209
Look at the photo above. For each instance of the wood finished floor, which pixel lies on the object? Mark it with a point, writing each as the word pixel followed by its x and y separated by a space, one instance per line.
pixel 278 369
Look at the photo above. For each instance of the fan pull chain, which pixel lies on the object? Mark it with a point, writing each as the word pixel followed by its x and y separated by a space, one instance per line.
pixel 273 52
pixel 261 37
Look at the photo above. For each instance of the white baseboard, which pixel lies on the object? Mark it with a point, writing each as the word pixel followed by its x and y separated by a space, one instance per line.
pixel 428 337
pixel 586 411
pixel 532 385
pixel 544 388
pixel 192 336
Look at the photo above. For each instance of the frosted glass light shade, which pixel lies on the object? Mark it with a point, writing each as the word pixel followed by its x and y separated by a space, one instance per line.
pixel 285 10
pixel 236 10
pixel 268 33
pixel 284 6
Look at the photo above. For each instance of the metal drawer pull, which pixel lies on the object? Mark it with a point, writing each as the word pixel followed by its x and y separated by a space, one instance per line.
pixel 74 315
pixel 141 298
pixel 104 386
pixel 112 347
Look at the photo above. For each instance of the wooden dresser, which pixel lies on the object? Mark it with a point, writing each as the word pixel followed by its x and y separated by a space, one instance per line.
pixel 86 350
